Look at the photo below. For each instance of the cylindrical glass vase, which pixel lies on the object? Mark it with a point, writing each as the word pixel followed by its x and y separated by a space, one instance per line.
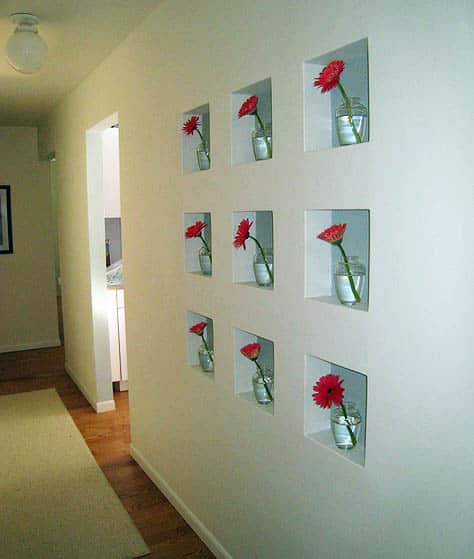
pixel 340 425
pixel 345 133
pixel 259 390
pixel 260 146
pixel 261 271
pixel 353 270
pixel 205 262
pixel 206 359
pixel 203 159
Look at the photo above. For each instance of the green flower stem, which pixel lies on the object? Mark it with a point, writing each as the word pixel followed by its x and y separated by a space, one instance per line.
pixel 264 381
pixel 349 112
pixel 205 145
pixel 269 147
pixel 353 439
pixel 349 273
pixel 263 256
pixel 207 347
pixel 206 246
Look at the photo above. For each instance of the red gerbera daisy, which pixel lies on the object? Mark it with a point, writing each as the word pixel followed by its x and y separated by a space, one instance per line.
pixel 328 391
pixel 195 229
pixel 191 125
pixel 251 351
pixel 329 77
pixel 242 233
pixel 249 106
pixel 198 328
pixel 334 233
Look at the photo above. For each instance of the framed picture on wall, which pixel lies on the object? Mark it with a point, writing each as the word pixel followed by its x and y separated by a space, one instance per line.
pixel 6 239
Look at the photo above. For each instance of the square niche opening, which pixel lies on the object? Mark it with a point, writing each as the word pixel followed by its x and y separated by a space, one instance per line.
pixel 244 369
pixel 202 362
pixel 320 108
pixel 193 157
pixel 321 257
pixel 317 420
pixel 242 128
pixel 244 270
pixel 197 260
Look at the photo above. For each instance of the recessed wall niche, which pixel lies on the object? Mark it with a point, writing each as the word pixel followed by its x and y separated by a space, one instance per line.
pixel 317 425
pixel 198 356
pixel 321 257
pixel 196 152
pixel 320 108
pixel 245 369
pixel 248 265
pixel 242 128
pixel 197 259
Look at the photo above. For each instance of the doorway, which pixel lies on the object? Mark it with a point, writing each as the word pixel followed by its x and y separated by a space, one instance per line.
pixel 105 254
pixel 53 190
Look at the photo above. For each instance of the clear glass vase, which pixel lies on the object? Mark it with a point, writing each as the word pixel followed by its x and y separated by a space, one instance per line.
pixel 205 261
pixel 345 133
pixel 340 425
pixel 342 280
pixel 203 158
pixel 260 147
pixel 262 275
pixel 206 359
pixel 259 390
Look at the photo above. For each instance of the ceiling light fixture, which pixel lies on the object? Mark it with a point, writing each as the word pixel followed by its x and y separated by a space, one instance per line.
pixel 26 50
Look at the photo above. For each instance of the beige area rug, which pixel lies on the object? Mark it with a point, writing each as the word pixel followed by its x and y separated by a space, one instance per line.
pixel 55 502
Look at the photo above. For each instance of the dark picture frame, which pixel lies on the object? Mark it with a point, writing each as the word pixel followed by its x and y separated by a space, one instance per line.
pixel 6 235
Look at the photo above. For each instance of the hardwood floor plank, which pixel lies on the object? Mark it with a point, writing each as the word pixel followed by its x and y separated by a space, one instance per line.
pixel 108 437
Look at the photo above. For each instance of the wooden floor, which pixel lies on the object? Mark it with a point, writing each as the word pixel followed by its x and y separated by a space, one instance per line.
pixel 108 437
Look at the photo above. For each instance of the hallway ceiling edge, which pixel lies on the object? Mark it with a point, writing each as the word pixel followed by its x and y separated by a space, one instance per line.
pixel 92 28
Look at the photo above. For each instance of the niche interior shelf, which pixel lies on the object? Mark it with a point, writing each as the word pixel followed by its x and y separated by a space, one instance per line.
pixel 317 420
pixel 194 341
pixel 190 143
pixel 242 128
pixel 194 260
pixel 319 108
pixel 243 260
pixel 321 257
pixel 244 368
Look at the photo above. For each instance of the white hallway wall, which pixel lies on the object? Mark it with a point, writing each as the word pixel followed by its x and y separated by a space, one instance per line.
pixel 250 478
pixel 28 308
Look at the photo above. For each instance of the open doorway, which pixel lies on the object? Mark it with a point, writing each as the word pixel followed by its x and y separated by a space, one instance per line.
pixel 55 234
pixel 105 252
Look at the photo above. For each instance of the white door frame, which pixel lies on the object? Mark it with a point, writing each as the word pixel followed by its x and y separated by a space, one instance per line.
pixel 96 214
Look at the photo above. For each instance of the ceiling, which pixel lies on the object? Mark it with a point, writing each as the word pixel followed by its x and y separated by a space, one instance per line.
pixel 79 35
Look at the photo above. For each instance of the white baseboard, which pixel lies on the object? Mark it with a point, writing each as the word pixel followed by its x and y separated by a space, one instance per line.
pixel 36 345
pixel 206 535
pixel 99 407
pixel 105 405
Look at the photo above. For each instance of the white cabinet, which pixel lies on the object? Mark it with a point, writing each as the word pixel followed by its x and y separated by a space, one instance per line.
pixel 113 334
pixel 117 338
pixel 121 332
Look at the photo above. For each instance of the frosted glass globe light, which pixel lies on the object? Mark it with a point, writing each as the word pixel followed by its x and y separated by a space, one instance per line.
pixel 26 51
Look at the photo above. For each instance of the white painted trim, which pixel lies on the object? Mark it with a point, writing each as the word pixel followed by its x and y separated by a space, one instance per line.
pixel 100 329
pixel 105 405
pixel 35 345
pixel 99 407
pixel 201 530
